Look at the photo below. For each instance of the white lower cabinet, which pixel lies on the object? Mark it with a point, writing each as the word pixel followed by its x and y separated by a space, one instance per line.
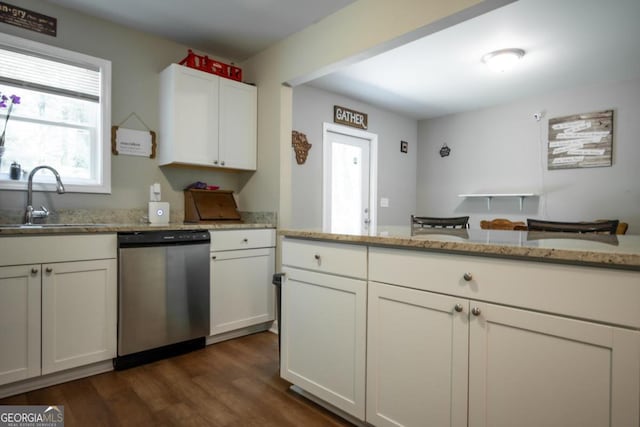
pixel 79 306
pixel 417 358
pixel 324 337
pixel 56 315
pixel 532 369
pixel 324 321
pixel 242 265
pixel 19 323
pixel 525 368
pixel 454 340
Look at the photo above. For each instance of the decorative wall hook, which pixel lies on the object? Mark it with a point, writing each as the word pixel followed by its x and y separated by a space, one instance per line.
pixel 301 146
pixel 444 150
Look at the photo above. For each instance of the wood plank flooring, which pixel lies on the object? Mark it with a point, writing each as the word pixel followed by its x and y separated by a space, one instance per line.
pixel 233 383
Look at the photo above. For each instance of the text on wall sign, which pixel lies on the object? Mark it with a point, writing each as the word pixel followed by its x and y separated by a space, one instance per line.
pixel 346 116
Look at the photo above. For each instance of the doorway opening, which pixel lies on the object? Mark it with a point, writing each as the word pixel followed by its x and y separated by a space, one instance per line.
pixel 350 176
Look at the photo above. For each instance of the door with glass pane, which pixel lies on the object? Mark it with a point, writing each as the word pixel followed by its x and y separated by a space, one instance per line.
pixel 347 177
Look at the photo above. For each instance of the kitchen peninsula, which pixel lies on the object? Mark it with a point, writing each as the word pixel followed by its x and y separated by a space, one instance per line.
pixel 464 327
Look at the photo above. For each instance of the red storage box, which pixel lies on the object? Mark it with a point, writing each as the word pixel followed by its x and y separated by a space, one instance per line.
pixel 204 63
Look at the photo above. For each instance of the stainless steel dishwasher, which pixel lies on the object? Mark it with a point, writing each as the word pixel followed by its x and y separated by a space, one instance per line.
pixel 163 294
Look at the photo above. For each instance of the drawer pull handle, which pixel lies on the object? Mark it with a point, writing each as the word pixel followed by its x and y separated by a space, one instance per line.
pixel 245 240
pixel 49 269
pixel 467 277
pixel 213 257
pixel 458 308
pixel 34 270
pixel 318 258
pixel 476 311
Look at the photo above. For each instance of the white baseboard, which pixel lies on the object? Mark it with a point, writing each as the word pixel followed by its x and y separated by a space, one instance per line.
pixel 329 407
pixel 239 333
pixel 55 378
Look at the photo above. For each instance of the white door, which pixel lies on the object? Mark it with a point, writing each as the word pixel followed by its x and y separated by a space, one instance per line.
pixel 349 180
pixel 238 130
pixel 532 369
pixel 79 313
pixel 241 289
pixel 19 323
pixel 417 358
pixel 324 337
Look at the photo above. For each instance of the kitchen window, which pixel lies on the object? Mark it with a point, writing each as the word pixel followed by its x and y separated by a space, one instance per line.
pixel 62 119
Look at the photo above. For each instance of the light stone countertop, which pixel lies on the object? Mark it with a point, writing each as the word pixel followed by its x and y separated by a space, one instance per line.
pixel 17 230
pixel 619 251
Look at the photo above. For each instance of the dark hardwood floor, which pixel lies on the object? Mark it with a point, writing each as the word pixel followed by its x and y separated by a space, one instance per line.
pixel 233 383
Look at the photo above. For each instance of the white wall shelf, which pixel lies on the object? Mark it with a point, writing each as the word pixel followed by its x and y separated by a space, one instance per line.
pixel 490 196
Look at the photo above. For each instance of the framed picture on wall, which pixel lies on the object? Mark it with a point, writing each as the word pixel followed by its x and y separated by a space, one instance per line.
pixel 404 146
pixel 581 141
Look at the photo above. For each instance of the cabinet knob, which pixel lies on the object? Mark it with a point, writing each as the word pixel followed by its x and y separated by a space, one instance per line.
pixel 213 257
pixel 318 258
pixel 215 162
pixel 48 269
pixel 467 277
pixel 34 270
pixel 222 163
pixel 476 311
pixel 458 308
pixel 245 240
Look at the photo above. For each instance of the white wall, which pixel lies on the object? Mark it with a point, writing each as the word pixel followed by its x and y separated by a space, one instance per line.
pixel 358 31
pixel 396 170
pixel 503 150
pixel 136 59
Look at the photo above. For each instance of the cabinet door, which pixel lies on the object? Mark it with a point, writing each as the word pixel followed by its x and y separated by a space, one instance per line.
pixel 19 323
pixel 78 313
pixel 324 337
pixel 241 291
pixel 533 369
pixel 238 125
pixel 190 117
pixel 417 355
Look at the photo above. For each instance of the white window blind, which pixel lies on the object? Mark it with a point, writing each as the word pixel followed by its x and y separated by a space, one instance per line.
pixel 39 73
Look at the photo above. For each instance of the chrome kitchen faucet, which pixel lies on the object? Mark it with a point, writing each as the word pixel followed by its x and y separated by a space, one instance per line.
pixel 30 213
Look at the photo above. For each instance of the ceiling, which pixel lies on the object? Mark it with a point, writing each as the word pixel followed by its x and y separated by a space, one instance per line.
pixel 235 29
pixel 568 43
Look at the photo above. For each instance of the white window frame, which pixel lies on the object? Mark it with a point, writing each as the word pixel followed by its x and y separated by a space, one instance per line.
pixel 104 124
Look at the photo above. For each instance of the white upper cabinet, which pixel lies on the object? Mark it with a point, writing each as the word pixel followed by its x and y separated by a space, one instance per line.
pixel 238 125
pixel 206 120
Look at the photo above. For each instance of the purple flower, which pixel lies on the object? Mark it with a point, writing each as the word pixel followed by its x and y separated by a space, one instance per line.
pixel 15 99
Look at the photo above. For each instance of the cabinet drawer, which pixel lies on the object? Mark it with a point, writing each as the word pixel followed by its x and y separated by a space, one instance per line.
pixel 16 250
pixel 230 240
pixel 600 294
pixel 334 258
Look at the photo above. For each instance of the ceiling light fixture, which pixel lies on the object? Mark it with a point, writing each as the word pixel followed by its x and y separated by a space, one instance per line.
pixel 503 60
